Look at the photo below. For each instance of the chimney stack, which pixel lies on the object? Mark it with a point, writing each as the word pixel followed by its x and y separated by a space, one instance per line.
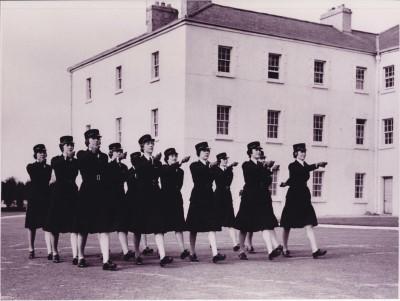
pixel 191 6
pixel 339 17
pixel 159 15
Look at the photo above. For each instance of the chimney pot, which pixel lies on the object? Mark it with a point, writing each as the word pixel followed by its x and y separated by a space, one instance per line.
pixel 339 17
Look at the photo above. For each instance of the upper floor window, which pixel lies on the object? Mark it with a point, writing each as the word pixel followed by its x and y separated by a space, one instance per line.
pixel 317 183
pixel 388 130
pixel 224 59
pixel 223 117
pixel 155 65
pixel 118 78
pixel 389 76
pixel 360 131
pixel 359 185
pixel 273 124
pixel 154 122
pixel 89 88
pixel 360 78
pixel 319 67
pixel 318 131
pixel 273 65
pixel 118 129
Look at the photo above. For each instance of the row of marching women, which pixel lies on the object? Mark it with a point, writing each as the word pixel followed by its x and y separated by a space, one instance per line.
pixel 102 206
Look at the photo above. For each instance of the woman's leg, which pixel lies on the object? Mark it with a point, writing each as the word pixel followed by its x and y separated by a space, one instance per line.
pixel 311 238
pixel 54 242
pixel 179 238
pixel 145 241
pixel 159 237
pixel 274 239
pixel 123 240
pixel 242 239
pixel 213 242
pixel 47 238
pixel 82 238
pixel 192 237
pixel 233 235
pixel 267 239
pixel 136 242
pixel 74 244
pixel 285 238
pixel 249 240
pixel 104 241
pixel 31 239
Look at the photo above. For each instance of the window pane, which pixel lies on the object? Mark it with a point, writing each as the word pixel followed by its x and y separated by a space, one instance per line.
pixel 223 120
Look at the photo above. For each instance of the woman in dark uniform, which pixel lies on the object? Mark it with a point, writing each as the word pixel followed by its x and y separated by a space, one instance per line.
pixel 223 175
pixel 62 211
pixel 117 175
pixel 94 206
pixel 256 212
pixel 202 215
pixel 38 200
pixel 171 184
pixel 298 211
pixel 150 218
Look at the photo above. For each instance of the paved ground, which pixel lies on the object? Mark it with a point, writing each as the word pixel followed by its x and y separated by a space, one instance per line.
pixel 380 220
pixel 360 264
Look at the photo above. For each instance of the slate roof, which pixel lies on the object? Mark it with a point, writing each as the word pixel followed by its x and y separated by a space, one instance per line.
pixel 272 25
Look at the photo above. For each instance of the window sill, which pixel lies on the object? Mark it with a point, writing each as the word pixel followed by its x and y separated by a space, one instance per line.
pixel 225 74
pixel 317 200
pixel 118 91
pixel 316 144
pixel 389 146
pixel 322 87
pixel 272 141
pixel 361 92
pixel 223 138
pixel 360 202
pixel 388 90
pixel 360 147
pixel 275 81
pixel 276 201
pixel 153 80
pixel 89 100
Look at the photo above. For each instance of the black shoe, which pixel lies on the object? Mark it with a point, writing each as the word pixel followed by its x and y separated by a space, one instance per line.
pixel 318 253
pixel 236 248
pixel 109 266
pixel 166 260
pixel 31 254
pixel 280 249
pixel 50 256
pixel 251 250
pixel 147 251
pixel 185 254
pixel 193 258
pixel 218 257
pixel 286 254
pixel 82 263
pixel 56 258
pixel 129 255
pixel 75 261
pixel 271 255
pixel 139 260
pixel 276 252
pixel 243 256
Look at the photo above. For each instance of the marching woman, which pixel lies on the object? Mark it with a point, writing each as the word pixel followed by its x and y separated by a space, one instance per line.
pixel 298 211
pixel 223 175
pixel 62 211
pixel 38 200
pixel 171 184
pixel 117 175
pixel 256 212
pixel 149 211
pixel 202 215
pixel 94 207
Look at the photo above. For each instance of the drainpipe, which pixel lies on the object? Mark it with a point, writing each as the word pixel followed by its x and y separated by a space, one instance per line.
pixel 377 189
pixel 71 101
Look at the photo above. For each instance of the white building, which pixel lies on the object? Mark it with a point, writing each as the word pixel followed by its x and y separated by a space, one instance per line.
pixel 230 76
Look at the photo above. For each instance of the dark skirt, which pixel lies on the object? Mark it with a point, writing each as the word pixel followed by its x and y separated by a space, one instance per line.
pixel 36 213
pixel 61 216
pixel 120 210
pixel 226 214
pixel 174 217
pixel 298 211
pixel 95 210
pixel 255 214
pixel 202 215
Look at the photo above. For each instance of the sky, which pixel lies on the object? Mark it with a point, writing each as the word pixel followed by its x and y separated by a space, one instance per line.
pixel 40 39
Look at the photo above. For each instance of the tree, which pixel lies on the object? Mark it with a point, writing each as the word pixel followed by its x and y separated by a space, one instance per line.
pixel 9 193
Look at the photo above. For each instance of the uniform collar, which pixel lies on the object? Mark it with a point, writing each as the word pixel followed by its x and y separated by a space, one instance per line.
pixel 222 168
pixel 301 162
pixel 254 161
pixel 148 157
pixel 203 161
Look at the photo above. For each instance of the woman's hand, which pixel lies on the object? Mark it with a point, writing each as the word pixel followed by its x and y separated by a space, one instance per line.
pixel 185 159
pixel 283 184
pixel 322 164
pixel 233 164
pixel 157 157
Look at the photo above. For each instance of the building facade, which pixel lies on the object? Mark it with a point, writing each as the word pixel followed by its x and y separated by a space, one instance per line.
pixel 231 76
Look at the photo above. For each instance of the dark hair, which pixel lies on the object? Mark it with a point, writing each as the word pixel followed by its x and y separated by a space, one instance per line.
pixel 61 146
pixel 295 154
pixel 35 155
pixel 249 152
pixel 87 141
pixel 142 147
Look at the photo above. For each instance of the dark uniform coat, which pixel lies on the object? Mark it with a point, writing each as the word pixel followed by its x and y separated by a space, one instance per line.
pixel 255 212
pixel 298 211
pixel 117 174
pixel 62 212
pixel 131 198
pixel 94 207
pixel 39 195
pixel 171 184
pixel 202 215
pixel 223 196
pixel 149 216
